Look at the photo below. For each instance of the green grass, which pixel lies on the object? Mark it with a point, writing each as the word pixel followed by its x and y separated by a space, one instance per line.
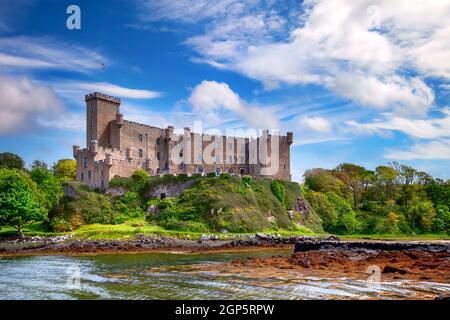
pixel 131 228
pixel 397 237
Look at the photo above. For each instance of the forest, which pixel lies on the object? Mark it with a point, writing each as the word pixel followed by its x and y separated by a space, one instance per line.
pixel 395 199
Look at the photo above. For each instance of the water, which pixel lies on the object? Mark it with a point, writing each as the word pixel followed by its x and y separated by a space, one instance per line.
pixel 168 276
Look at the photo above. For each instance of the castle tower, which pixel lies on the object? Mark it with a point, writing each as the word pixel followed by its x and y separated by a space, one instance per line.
pixel 101 109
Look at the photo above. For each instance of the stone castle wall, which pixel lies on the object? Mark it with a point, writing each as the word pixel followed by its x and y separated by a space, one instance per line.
pixel 115 146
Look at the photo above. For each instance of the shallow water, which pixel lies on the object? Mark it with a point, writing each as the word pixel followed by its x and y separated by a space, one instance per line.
pixel 167 276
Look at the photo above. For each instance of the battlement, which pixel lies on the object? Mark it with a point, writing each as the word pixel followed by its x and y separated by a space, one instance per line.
pixel 98 95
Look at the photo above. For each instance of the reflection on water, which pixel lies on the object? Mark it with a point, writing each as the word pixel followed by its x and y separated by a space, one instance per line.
pixel 140 276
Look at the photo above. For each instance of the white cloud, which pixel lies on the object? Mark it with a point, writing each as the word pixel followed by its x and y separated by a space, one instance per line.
pixel 433 150
pixel 317 124
pixel 182 10
pixel 212 100
pixel 363 51
pixel 47 53
pixel 78 88
pixel 404 96
pixel 417 128
pixel 23 102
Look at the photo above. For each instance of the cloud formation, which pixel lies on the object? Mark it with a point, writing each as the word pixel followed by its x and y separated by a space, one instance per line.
pixel 212 100
pixel 360 51
pixel 24 103
pixel 23 52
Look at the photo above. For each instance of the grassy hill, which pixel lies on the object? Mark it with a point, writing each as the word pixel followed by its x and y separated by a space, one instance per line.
pixel 206 204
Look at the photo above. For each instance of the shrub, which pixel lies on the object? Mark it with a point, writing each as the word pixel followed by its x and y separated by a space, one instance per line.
pixel 225 176
pixel 60 225
pixel 279 190
pixel 187 226
pixel 247 180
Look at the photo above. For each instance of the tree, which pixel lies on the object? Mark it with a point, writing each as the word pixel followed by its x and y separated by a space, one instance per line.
pixel 49 185
pixel 346 222
pixel 11 161
pixel 322 180
pixel 442 219
pixel 65 169
pixel 19 200
pixel 420 211
pixel 407 176
pixel 353 176
pixel 385 182
pixel 319 202
pixel 39 164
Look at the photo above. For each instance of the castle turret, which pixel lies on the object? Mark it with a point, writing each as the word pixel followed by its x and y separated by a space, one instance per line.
pixel 290 138
pixel 101 110
pixel 93 147
pixel 75 149
pixel 169 133
pixel 119 119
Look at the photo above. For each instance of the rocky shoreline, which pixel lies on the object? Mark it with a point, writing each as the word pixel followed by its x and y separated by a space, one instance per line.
pixel 141 243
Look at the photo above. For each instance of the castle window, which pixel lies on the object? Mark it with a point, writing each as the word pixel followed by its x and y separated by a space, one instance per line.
pixel 200 169
pixel 101 173
pixel 181 153
pixel 89 174
pixel 218 171
pixel 230 159
pixel 199 157
pixel 230 170
pixel 102 184
pixel 82 176
pixel 140 137
pixel 85 162
pixel 284 166
pixel 158 156
pixel 217 158
pixel 158 142
pixel 141 153
pixel 242 171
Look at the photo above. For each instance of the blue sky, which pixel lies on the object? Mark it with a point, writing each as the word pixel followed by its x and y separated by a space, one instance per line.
pixel 365 82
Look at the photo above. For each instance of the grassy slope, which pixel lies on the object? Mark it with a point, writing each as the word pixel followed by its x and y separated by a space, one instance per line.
pixel 227 203
pixel 216 203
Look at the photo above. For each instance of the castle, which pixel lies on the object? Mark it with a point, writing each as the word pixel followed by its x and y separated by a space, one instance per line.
pixel 115 146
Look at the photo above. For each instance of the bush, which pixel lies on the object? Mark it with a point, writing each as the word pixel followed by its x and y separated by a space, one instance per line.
pixel 187 226
pixel 247 180
pixel 279 190
pixel 60 225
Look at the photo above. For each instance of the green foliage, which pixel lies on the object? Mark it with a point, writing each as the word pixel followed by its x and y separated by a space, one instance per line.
pixel 279 190
pixel 442 219
pixel 59 224
pixel 49 185
pixel 420 214
pixel 225 202
pixel 346 217
pixel 324 181
pixel 11 161
pixel 20 201
pixel 65 169
pixel 324 208
pixel 247 180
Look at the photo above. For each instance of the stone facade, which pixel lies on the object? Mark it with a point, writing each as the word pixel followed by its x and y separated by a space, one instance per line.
pixel 115 146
